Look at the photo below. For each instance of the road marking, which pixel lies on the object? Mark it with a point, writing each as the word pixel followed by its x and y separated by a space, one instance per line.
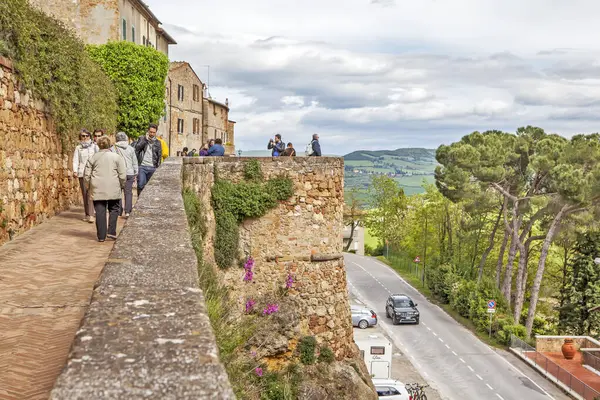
pixel 461 360
pixel 453 352
pixel 448 347
pixel 441 340
pixel 500 397
pixel 429 328
pixel 488 385
pixel 470 369
pixel 424 324
pixel 434 334
pixel 480 378
pixel 521 372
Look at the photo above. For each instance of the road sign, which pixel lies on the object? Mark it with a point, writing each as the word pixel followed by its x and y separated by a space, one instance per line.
pixel 417 260
pixel 491 304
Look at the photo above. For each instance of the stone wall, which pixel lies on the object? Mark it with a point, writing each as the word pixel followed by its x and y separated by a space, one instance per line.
pixel 549 344
pixel 310 222
pixel 146 333
pixel 35 176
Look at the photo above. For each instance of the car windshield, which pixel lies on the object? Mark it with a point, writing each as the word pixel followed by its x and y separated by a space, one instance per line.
pixel 401 303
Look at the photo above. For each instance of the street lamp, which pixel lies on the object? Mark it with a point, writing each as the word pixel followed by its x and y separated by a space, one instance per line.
pixel 239 153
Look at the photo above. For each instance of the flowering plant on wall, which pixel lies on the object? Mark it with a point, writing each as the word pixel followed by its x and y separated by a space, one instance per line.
pixel 248 267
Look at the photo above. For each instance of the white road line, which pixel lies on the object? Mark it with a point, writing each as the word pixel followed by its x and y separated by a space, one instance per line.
pixel 434 334
pixel 461 360
pixel 500 397
pixel 453 352
pixel 531 380
pixel 441 340
pixel 480 378
pixel 429 328
pixel 470 369
pixel 448 347
pixel 488 385
pixel 424 324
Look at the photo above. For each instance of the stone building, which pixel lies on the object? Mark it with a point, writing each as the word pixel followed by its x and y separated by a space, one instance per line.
pixel 101 21
pixel 217 124
pixel 182 123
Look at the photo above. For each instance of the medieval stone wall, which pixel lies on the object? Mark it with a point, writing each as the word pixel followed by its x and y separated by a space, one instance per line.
pixel 35 176
pixel 310 222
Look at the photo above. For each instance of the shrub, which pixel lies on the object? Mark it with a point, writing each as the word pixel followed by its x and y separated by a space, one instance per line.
pixel 374 252
pixel 226 239
pixel 52 62
pixel 139 74
pixel 505 334
pixel 281 188
pixel 252 171
pixel 307 347
pixel 326 355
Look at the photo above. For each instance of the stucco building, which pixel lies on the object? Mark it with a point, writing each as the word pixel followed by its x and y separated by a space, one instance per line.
pixel 217 124
pixel 101 21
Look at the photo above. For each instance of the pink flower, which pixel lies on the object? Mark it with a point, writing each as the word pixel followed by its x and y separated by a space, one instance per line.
pixel 250 305
pixel 271 309
pixel 289 282
pixel 259 371
pixel 248 268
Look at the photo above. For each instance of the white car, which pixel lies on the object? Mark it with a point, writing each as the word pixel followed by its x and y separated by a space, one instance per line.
pixel 391 389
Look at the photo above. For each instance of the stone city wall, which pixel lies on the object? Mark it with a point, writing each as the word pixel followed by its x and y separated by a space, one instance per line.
pixel 35 176
pixel 309 223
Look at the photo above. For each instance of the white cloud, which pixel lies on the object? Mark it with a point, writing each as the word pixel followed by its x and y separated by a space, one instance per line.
pixel 384 73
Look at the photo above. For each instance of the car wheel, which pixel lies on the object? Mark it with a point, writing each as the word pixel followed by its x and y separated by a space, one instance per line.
pixel 417 323
pixel 387 313
pixel 395 320
pixel 363 324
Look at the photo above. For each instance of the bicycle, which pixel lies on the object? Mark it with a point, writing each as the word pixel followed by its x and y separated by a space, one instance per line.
pixel 416 391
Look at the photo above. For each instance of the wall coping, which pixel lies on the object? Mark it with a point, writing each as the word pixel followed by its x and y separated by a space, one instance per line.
pixel 146 333
pixel 231 159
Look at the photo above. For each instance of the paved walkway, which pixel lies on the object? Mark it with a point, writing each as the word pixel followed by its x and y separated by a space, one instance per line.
pixel 46 281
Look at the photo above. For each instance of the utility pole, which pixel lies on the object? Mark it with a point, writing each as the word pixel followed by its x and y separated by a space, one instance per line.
pixel 208 80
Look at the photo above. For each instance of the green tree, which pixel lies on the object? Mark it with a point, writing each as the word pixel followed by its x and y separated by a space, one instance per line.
pixel 139 74
pixel 388 206
pixel 583 289
pixel 353 214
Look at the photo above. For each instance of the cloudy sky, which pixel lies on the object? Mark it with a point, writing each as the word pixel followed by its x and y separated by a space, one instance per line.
pixel 383 74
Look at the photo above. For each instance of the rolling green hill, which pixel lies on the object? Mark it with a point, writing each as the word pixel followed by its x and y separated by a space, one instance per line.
pixel 411 167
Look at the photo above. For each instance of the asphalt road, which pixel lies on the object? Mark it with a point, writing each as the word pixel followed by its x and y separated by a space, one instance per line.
pixel 450 357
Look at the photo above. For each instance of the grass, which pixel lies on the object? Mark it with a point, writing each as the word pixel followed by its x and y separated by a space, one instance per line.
pixel 407 272
pixel 370 240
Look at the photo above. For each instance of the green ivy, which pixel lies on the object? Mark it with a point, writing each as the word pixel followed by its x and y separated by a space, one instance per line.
pixel 52 62
pixel 139 74
pixel 326 355
pixel 233 202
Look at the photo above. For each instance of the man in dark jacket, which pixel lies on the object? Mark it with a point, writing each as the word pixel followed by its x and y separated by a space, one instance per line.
pixel 217 149
pixel 277 145
pixel 148 150
pixel 316 147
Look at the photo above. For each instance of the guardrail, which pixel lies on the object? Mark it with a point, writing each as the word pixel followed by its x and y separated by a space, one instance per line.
pixel 591 360
pixel 552 369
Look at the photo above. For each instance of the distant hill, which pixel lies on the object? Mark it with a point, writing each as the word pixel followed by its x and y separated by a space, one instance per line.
pixel 411 167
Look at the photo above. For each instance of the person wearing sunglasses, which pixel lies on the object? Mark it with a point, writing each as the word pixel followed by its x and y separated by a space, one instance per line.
pixel 83 152
pixel 98 133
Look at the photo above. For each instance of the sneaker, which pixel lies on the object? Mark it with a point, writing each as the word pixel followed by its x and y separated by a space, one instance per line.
pixel 101 240
pixel 86 219
pixel 112 237
pixel 91 220
pixel 127 215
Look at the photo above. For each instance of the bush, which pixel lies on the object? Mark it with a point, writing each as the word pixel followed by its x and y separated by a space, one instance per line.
pixel 326 355
pixel 374 252
pixel 226 239
pixel 52 62
pixel 252 171
pixel 307 347
pixel 280 188
pixel 504 335
pixel 139 74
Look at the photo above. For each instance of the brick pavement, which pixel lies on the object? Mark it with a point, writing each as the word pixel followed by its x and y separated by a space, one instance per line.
pixel 46 281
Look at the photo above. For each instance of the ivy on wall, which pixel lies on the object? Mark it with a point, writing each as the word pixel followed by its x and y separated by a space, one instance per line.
pixel 139 74
pixel 251 198
pixel 52 62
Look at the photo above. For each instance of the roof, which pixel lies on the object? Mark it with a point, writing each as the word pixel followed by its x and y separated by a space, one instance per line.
pixel 217 102
pixel 230 120
pixel 169 38
pixel 178 64
pixel 399 295
pixel 152 17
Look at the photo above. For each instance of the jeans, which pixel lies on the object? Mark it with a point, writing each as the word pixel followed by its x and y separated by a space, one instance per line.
pixel 144 175
pixel 128 195
pixel 113 207
pixel 88 203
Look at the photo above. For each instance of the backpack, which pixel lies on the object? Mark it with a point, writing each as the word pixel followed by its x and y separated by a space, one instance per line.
pixel 309 149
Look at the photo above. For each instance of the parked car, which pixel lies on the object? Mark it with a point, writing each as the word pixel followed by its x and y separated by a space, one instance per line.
pixel 363 317
pixel 401 309
pixel 391 389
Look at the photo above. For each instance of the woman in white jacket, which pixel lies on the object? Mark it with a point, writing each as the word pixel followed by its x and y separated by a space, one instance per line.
pixel 84 150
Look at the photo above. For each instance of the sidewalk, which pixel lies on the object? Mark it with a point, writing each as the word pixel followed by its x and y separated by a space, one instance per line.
pixel 46 279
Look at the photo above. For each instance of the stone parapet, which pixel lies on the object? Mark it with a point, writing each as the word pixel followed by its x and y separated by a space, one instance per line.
pixel 146 333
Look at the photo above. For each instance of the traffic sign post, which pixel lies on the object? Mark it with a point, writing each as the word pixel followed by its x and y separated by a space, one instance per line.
pixel 491 310
pixel 417 260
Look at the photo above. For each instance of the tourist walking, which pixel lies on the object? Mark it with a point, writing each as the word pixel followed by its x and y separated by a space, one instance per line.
pixel 277 145
pixel 98 133
pixel 314 147
pixel 105 176
pixel 217 149
pixel 123 148
pixel 290 151
pixel 84 150
pixel 149 155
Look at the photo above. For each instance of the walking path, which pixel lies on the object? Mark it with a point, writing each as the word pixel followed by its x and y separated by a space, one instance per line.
pixel 46 281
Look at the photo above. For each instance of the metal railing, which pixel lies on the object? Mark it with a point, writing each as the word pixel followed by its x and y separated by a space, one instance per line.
pixel 592 360
pixel 553 369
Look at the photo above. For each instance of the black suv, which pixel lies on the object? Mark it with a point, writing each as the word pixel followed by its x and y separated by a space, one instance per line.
pixel 401 309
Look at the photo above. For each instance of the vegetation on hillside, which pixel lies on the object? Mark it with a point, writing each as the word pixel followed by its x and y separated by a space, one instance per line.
pixel 52 62
pixel 511 218
pixel 138 73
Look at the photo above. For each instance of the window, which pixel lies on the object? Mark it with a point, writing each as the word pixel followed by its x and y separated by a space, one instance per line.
pixel 133 33
pixel 180 93
pixel 144 40
pixel 196 127
pixel 124 29
pixel 377 350
pixel 196 93
pixel 362 354
pixel 180 126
